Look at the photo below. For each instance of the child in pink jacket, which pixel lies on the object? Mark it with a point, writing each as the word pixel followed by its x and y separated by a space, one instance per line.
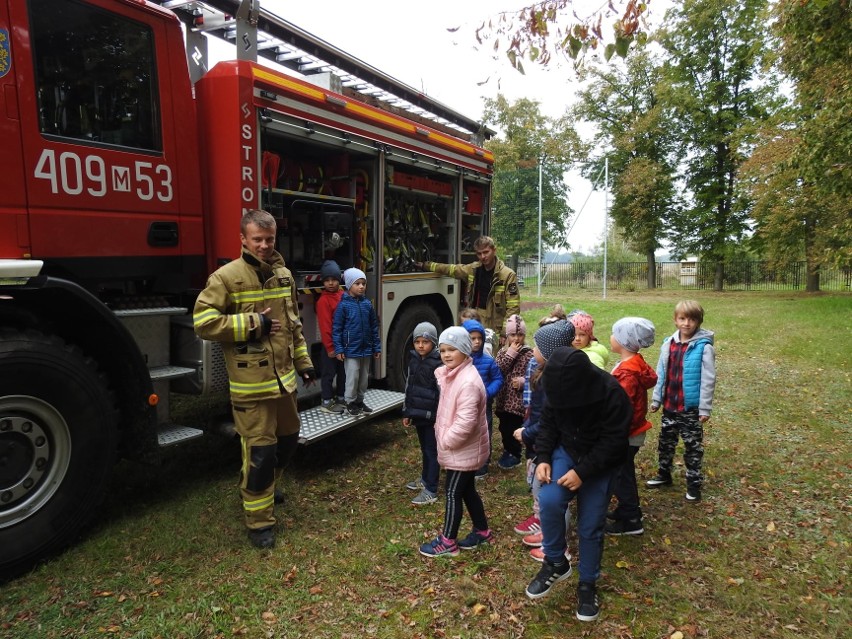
pixel 461 431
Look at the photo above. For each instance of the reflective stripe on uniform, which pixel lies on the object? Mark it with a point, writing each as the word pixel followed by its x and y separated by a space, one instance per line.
pixel 205 316
pixel 253 388
pixel 300 352
pixel 259 295
pixel 240 330
pixel 259 504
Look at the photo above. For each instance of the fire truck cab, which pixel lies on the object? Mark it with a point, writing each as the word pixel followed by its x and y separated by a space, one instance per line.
pixel 127 161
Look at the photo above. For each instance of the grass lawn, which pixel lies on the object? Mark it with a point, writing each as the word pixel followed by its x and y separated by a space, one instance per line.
pixel 765 554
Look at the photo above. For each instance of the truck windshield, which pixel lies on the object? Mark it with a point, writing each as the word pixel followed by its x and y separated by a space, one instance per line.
pixel 95 75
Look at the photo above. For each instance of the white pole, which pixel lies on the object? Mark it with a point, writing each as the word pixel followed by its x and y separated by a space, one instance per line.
pixel 538 279
pixel 606 218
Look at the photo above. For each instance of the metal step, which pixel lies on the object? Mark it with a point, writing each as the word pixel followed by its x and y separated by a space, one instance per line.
pixel 317 423
pixel 144 312
pixel 170 372
pixel 170 434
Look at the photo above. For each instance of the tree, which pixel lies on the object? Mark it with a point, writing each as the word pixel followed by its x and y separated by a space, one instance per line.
pixel 801 173
pixel 542 30
pixel 718 99
pixel 637 140
pixel 528 138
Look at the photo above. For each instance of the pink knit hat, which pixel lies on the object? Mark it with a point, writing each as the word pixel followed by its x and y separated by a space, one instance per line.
pixel 515 325
pixel 584 322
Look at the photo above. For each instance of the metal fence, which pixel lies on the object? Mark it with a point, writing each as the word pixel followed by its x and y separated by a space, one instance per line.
pixel 632 276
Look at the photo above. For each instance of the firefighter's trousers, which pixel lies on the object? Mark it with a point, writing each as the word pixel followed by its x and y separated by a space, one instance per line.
pixel 269 434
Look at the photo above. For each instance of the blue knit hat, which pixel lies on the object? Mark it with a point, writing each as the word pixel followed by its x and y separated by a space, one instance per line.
pixel 552 336
pixel 330 268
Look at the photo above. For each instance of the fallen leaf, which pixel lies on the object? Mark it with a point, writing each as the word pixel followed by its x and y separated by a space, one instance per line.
pixel 622 564
pixel 478 609
pixel 268 617
pixel 677 634
pixel 770 527
pixel 667 541
pixel 738 581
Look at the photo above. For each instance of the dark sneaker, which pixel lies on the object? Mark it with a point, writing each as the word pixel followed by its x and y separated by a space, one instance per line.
pixel 508 461
pixel 364 408
pixel 353 409
pixel 661 479
pixel 625 527
pixel 262 537
pixel 439 547
pixel 693 494
pixel 415 484
pixel 425 497
pixel 549 575
pixel 612 515
pixel 330 406
pixel 588 606
pixel 482 473
pixel 476 538
pixel 278 497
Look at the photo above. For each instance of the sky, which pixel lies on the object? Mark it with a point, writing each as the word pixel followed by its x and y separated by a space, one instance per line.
pixel 411 42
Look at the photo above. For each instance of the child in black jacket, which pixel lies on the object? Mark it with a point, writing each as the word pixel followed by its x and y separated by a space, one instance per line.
pixel 420 407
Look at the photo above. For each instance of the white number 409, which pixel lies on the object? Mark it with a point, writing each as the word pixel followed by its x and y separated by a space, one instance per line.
pixel 71 175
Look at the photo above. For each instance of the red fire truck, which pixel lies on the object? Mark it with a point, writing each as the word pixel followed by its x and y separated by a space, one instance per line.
pixel 126 164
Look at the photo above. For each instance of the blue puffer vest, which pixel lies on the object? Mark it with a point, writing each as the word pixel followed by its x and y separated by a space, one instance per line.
pixel 421 388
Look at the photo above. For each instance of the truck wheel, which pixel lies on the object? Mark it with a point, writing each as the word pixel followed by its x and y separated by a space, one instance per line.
pixel 400 343
pixel 57 445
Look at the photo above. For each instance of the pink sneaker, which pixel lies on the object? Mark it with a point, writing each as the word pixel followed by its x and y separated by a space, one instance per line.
pixel 528 526
pixel 538 554
pixel 533 540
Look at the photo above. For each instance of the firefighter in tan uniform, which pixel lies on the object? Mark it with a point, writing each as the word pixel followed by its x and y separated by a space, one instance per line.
pixel 250 306
pixel 492 287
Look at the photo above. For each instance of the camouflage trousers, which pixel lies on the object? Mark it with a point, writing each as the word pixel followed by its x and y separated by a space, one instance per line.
pixel 691 431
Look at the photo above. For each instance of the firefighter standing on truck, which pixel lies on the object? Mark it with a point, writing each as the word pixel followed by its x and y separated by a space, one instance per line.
pixel 250 306
pixel 492 287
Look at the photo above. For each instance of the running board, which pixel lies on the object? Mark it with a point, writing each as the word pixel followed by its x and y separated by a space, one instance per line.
pixel 318 424
pixel 171 434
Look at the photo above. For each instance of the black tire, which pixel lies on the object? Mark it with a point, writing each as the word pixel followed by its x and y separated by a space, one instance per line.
pixel 400 343
pixel 57 445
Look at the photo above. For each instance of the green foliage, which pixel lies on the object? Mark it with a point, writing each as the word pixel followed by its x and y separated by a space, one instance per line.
pixel 800 176
pixel 719 98
pixel 529 137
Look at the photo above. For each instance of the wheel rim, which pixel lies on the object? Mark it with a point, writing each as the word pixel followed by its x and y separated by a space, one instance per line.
pixel 35 451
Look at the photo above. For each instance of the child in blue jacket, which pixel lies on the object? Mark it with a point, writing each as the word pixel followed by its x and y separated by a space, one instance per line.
pixel 355 332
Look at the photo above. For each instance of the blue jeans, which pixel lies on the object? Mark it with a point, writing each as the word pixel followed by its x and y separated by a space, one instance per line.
pixel 592 502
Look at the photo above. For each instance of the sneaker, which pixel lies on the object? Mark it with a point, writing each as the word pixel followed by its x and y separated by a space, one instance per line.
pixel 693 494
pixel 588 606
pixel 549 575
pixel 529 526
pixel 661 479
pixel 262 537
pixel 625 527
pixel 353 409
pixel 482 473
pixel 425 497
pixel 415 484
pixel 330 406
pixel 364 408
pixel 534 540
pixel 439 547
pixel 538 555
pixel 476 538
pixel 612 515
pixel 508 461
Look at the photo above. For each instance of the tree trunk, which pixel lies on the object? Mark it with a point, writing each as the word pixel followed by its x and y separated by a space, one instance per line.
pixel 719 277
pixel 652 270
pixel 812 281
pixel 812 285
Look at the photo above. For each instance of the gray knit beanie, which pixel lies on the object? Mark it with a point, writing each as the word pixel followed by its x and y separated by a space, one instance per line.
pixel 427 330
pixel 634 333
pixel 458 338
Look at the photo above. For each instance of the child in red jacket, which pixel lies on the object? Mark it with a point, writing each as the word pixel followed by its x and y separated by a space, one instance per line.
pixel 629 335
pixel 330 365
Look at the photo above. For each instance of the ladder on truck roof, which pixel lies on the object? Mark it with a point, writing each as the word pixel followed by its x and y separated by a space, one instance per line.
pixel 258 32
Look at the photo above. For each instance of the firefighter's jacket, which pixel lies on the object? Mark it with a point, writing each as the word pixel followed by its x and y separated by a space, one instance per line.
pixel 229 311
pixel 503 297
